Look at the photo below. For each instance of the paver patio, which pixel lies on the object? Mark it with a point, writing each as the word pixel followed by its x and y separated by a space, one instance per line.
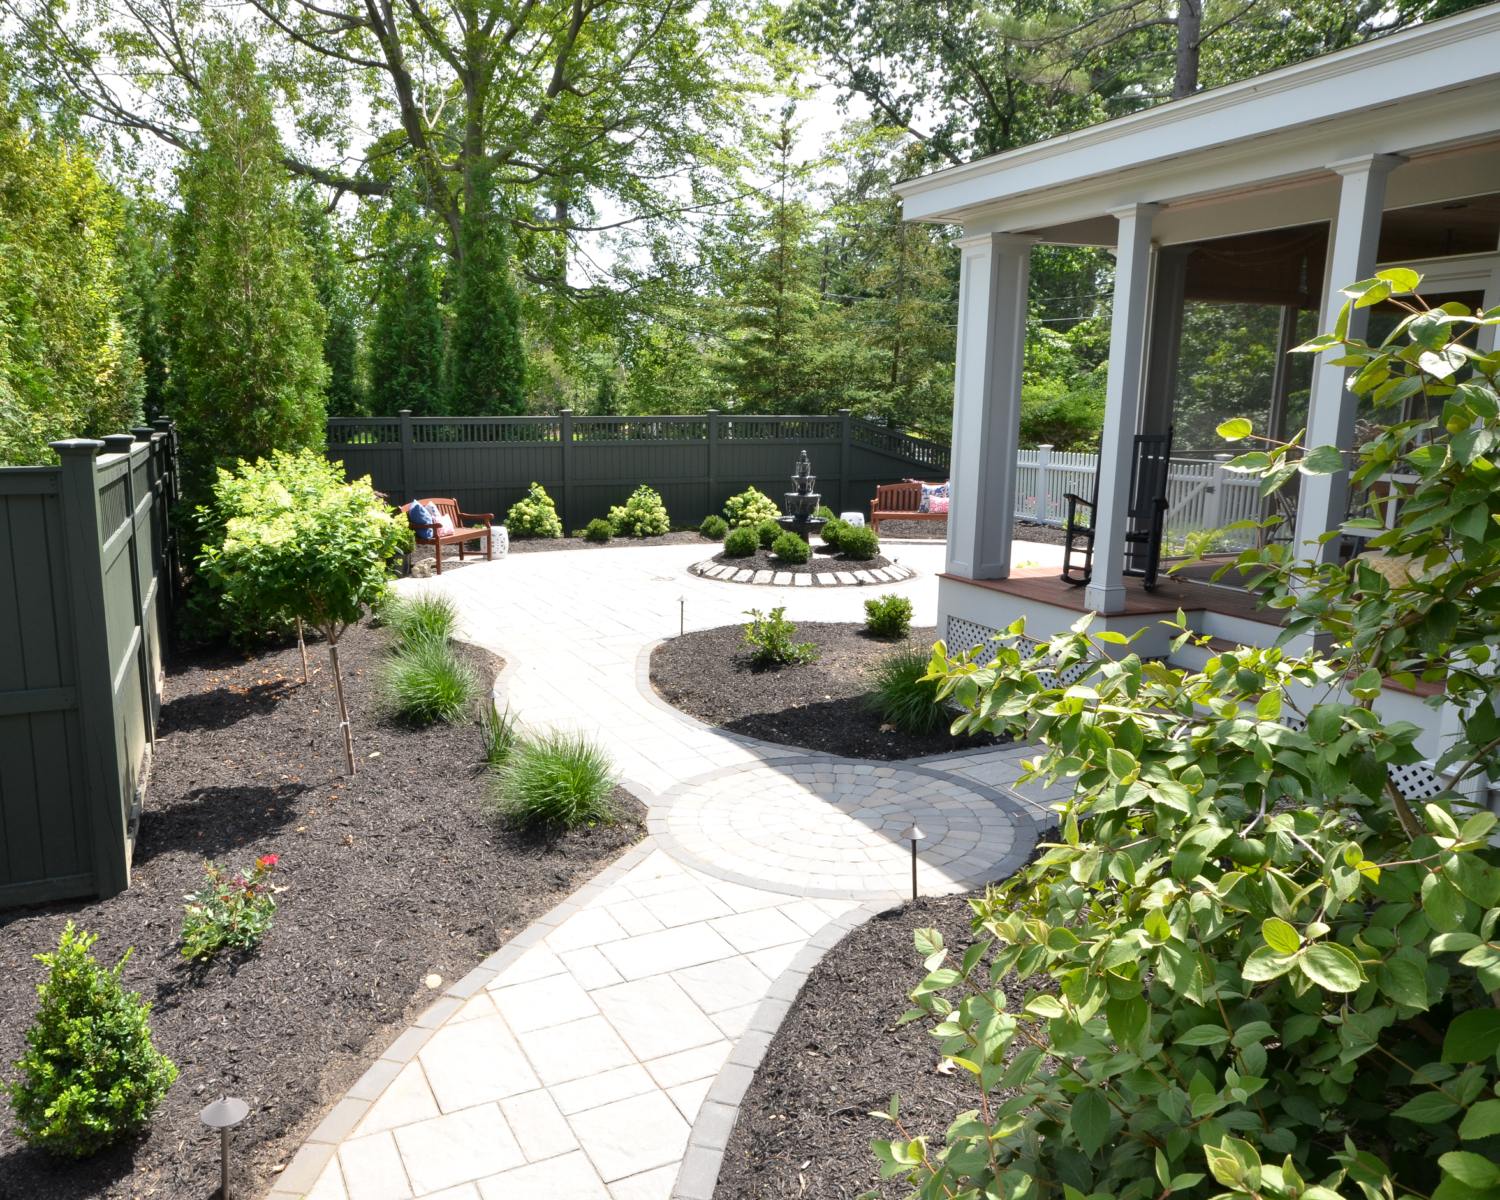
pixel 602 1053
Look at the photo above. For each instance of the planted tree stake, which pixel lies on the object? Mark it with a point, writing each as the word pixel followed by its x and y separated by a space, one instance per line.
pixel 302 646
pixel 338 690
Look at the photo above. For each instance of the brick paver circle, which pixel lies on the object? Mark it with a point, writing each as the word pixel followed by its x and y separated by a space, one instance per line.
pixel 853 577
pixel 832 827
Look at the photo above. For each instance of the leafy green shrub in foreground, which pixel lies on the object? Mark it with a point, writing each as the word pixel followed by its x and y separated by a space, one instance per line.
pixel 771 639
pixel 426 681
pixel 859 542
pixel 767 532
pixel 643 515
pixel 888 616
pixel 534 516
pixel 831 532
pixel 423 617
pixel 750 507
pixel 90 1075
pixel 556 781
pixel 1272 974
pixel 599 530
pixel 230 909
pixel 791 548
pixel 905 697
pixel 714 527
pixel 741 542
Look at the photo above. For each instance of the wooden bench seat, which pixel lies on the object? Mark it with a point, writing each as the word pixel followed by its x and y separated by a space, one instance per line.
pixel 461 534
pixel 900 502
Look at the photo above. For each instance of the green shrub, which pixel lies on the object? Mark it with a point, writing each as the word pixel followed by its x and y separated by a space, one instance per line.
pixel 859 542
pixel 888 616
pixel 599 530
pixel 904 698
pixel 750 507
pixel 791 548
pixel 499 733
pixel 90 1075
pixel 741 542
pixel 767 532
pixel 826 513
pixel 771 636
pixel 230 909
pixel 426 681
pixel 643 515
pixel 535 516
pixel 556 781
pixel 714 527
pixel 424 617
pixel 833 531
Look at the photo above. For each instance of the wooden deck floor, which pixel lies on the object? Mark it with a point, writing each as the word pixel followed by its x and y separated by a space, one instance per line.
pixel 1044 584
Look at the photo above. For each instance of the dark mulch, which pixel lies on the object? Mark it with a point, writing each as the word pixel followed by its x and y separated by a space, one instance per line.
pixel 823 561
pixel 816 705
pixel 391 875
pixel 1025 531
pixel 927 531
pixel 803 1127
pixel 538 545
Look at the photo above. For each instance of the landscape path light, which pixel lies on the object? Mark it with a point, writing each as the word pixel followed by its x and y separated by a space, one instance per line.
pixel 913 833
pixel 224 1114
pixel 681 615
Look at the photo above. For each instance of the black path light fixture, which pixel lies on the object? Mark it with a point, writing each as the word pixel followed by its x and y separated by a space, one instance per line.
pixel 913 834
pixel 224 1114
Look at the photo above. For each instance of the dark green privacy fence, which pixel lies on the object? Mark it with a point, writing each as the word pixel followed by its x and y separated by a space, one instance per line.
pixel 589 463
pixel 83 614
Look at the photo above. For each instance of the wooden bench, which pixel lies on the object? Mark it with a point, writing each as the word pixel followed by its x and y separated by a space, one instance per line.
pixel 900 502
pixel 460 535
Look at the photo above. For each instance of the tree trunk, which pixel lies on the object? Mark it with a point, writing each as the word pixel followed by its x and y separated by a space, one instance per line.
pixel 338 690
pixel 302 646
pixel 1189 29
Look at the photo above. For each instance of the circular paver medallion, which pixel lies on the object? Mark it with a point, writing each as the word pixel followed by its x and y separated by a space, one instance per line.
pixel 728 573
pixel 829 828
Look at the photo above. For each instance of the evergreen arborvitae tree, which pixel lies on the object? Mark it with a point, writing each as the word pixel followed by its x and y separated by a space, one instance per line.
pixel 341 333
pixel 406 344
pixel 245 325
pixel 486 367
pixel 145 262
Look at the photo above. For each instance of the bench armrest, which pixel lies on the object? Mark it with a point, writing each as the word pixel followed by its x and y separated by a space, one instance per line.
pixel 487 518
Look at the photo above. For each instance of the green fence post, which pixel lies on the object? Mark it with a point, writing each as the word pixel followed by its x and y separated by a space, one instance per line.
pixel 713 461
pixel 844 415
pixel 100 768
pixel 406 456
pixel 565 437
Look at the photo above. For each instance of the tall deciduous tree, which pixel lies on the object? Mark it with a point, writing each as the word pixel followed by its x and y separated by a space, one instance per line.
pixel 245 324
pixel 406 344
pixel 486 366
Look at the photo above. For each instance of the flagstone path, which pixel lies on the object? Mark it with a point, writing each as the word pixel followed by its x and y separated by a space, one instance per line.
pixel 602 1054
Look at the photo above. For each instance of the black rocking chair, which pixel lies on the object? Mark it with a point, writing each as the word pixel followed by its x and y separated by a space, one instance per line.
pixel 1146 515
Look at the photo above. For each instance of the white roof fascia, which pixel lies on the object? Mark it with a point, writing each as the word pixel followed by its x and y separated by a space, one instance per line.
pixel 1387 91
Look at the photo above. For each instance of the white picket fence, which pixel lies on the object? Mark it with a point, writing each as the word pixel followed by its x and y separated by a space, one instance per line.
pixel 1202 493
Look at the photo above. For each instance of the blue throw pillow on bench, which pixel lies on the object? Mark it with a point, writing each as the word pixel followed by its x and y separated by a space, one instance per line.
pixel 423 517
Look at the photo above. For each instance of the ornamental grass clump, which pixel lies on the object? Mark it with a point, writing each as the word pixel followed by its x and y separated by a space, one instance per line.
pixel 770 638
pixel 714 527
pixel 500 733
pixel 426 681
pixel 556 781
pixel 643 515
pixel 535 515
pixel 1270 973
pixel 229 910
pixel 888 616
pixel 741 542
pixel 905 697
pixel 90 1075
pixel 750 507
pixel 791 549
pixel 424 617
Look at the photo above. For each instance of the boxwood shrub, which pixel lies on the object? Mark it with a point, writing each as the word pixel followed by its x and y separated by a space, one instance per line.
pixel 714 527
pixel 791 548
pixel 741 542
pixel 859 541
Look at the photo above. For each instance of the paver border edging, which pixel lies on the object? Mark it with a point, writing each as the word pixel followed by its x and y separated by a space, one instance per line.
pixel 699 1173
pixel 700 570
pixel 319 1146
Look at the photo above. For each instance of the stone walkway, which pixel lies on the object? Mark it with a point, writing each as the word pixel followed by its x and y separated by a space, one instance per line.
pixel 601 1055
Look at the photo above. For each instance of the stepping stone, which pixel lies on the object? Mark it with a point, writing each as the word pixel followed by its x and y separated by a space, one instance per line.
pixel 845 577
pixel 783 579
pixel 802 580
pixel 864 577
pixel 882 574
pixel 762 577
pixel 744 576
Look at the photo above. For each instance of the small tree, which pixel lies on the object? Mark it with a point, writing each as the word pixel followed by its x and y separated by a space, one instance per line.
pixel 300 541
pixel 90 1075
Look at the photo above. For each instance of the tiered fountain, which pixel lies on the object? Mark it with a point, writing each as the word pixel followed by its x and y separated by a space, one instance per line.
pixel 800 514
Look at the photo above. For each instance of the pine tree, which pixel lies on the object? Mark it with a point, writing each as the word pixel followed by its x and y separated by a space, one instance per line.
pixel 245 325
pixel 486 367
pixel 341 333
pixel 406 345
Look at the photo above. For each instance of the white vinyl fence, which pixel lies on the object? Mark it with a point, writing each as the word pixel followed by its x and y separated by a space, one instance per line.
pixel 1202 493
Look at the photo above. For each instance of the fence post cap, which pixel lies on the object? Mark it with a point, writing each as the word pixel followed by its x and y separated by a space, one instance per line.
pixel 78 447
pixel 143 433
pixel 118 443
pixel 164 424
pixel 1044 445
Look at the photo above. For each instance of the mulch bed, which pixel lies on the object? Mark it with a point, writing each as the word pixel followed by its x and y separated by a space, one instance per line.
pixel 824 561
pixel 533 545
pixel 816 705
pixel 926 531
pixel 1025 531
pixel 803 1127
pixel 392 875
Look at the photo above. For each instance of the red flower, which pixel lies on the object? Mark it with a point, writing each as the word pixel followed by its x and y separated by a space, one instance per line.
pixel 267 862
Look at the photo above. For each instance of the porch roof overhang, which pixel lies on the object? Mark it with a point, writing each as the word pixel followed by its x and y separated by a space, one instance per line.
pixel 1259 154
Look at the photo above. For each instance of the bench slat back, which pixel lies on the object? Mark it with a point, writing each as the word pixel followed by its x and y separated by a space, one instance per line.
pixel 898 497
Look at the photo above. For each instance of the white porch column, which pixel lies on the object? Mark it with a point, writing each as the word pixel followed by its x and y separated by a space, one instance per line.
pixel 1352 242
pixel 1128 328
pixel 996 270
